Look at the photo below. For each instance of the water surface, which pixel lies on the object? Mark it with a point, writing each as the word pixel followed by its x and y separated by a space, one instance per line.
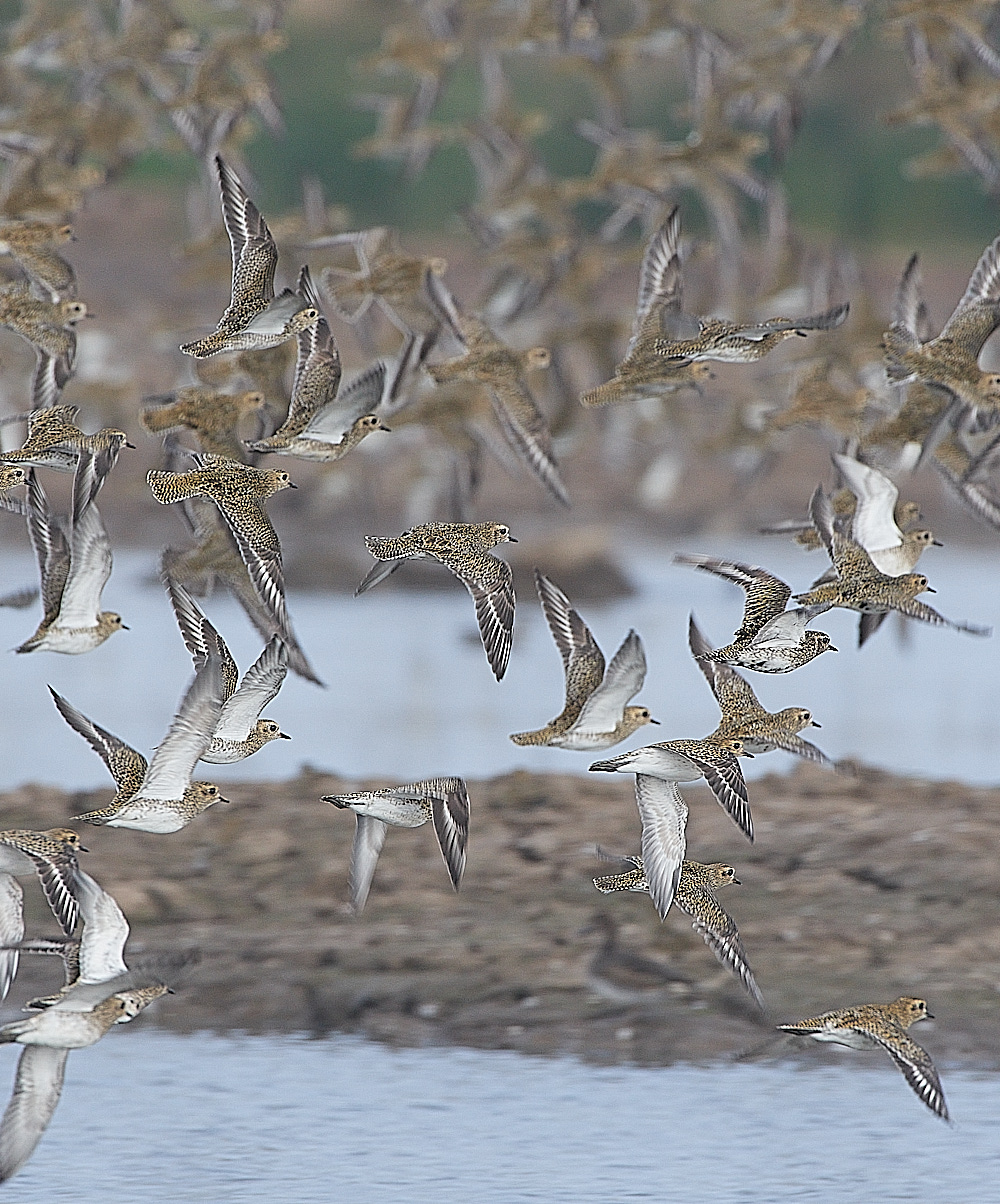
pixel 411 695
pixel 149 1116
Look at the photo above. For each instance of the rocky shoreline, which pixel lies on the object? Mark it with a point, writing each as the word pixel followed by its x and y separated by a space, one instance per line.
pixel 860 886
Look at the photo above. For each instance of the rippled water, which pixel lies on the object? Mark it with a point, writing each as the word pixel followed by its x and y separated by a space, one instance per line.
pixel 411 695
pixel 149 1116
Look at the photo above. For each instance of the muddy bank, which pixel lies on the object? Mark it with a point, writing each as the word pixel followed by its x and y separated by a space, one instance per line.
pixel 857 888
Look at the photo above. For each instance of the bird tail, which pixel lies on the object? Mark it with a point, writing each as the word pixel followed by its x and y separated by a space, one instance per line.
pixel 897 342
pixel 539 737
pixel 378 573
pixel 167 487
pixel 158 418
pixel 601 395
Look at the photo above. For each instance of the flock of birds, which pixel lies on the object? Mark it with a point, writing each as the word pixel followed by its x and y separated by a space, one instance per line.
pixel 452 372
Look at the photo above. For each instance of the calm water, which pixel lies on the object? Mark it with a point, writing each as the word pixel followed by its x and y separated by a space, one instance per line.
pixel 410 694
pixel 148 1116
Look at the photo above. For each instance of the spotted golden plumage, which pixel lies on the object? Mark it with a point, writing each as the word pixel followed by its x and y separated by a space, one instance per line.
pixel 464 549
pixel 322 425
pixel 770 639
pixel 687 337
pixel 159 796
pixel 743 718
pixel 55 441
pixel 860 586
pixel 949 362
pixel 644 372
pixel 216 557
pixel 882 1026
pixel 32 244
pixel 490 362
pixel 595 714
pixel 658 768
pixel 255 318
pixel 237 489
pixel 695 896
pixel 212 414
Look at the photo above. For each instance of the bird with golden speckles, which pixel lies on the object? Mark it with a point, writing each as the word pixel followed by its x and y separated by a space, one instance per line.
pixel 32 245
pixel 743 717
pixel 464 549
pixel 949 362
pixel 165 799
pixel 770 639
pixel 55 441
pixel 73 573
pixel 490 362
pixel 882 1026
pixel 255 317
pixel 212 414
pixel 860 586
pixel 240 731
pixel 595 715
pixel 324 423
pixel 658 768
pixel 644 372
pixel 695 896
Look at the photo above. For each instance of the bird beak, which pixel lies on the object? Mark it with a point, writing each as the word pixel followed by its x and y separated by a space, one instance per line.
pixel 832 649
pixel 292 485
pixel 656 721
pixel 930 590
pixel 220 799
pixel 382 427
pixel 171 991
pixel 131 445
pixel 928 1016
pixel 744 753
pixel 82 849
pixel 937 543
pixel 284 736
pixel 124 628
pixel 813 723
pixel 511 539
pixel 737 882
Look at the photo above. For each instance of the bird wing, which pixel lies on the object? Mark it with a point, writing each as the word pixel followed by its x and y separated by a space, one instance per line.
pixel 105 931
pixel 874 526
pixel 190 733
pixel 798 747
pixel 725 777
pixel 51 547
pixel 11 929
pixel 124 764
pixel 718 930
pixel 525 429
pixel 57 875
pixel 90 553
pixel 915 1063
pixel 927 614
pixel 785 631
pixel 37 1088
pixel 767 595
pixel 450 812
pixel 978 312
pixel 274 318
pixel 260 684
pixel 909 309
pixel 660 274
pixel 192 624
pixel 664 820
pixel 362 395
pixel 249 237
pixel 732 691
pixel 369 837
pixel 848 556
pixel 623 679
pixel 491 584
pixel 572 636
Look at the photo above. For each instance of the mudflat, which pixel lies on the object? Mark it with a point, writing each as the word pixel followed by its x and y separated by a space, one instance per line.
pixel 861 886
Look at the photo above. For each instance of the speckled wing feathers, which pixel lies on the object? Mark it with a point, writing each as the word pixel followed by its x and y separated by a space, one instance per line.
pixel 126 766
pixel 718 930
pixel 917 1067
